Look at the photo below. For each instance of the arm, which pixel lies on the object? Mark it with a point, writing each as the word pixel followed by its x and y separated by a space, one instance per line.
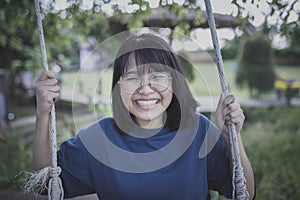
pixel 230 112
pixel 47 92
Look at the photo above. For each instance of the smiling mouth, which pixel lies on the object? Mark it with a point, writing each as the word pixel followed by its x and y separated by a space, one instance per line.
pixel 147 102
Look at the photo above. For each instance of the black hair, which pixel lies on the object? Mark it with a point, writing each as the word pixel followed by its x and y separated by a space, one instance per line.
pixel 151 49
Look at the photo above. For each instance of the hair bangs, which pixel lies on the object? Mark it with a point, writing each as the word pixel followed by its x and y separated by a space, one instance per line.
pixel 151 60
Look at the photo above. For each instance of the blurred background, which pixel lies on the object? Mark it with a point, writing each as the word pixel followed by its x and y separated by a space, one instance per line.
pixel 260 43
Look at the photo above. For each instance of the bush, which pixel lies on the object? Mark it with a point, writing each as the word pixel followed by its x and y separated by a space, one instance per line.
pixel 287 57
pixel 188 68
pixel 255 65
pixel 230 50
pixel 272 144
pixel 16 157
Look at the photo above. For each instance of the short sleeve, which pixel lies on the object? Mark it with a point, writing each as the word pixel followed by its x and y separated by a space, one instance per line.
pixel 76 178
pixel 219 176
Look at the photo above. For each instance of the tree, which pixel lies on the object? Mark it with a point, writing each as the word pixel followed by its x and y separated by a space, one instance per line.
pixel 19 41
pixel 255 65
pixel 64 31
pixel 231 47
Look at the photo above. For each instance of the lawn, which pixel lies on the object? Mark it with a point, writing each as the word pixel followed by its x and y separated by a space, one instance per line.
pixel 206 82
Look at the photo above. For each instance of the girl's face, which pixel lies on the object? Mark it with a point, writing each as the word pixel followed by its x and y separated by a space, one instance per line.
pixel 146 96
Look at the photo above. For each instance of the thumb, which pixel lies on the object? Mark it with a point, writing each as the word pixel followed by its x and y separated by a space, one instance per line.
pixel 221 101
pixel 219 114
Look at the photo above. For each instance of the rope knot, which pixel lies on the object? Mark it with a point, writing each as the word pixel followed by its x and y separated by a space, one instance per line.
pixel 55 171
pixel 55 188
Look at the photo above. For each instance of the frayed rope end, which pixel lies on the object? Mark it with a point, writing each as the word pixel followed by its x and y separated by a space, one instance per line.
pixel 35 182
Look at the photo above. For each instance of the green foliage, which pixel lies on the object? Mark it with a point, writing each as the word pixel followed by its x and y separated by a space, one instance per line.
pixel 255 65
pixel 15 157
pixel 272 144
pixel 64 33
pixel 295 38
pixel 188 68
pixel 287 56
pixel 230 50
pixel 19 40
pixel 281 9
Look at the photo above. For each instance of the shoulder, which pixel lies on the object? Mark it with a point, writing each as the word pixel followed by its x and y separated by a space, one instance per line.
pixel 102 125
pixel 204 123
pixel 203 118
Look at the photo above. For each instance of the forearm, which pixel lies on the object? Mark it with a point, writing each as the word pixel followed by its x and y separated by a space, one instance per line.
pixel 248 171
pixel 42 144
pixel 247 168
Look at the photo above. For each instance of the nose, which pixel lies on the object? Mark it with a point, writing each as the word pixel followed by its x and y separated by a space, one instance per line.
pixel 145 87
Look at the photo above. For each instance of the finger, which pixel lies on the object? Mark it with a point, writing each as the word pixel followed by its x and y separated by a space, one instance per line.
pixel 229 99
pixel 51 89
pixel 228 122
pixel 221 100
pixel 236 113
pixel 55 89
pixel 52 97
pixel 46 91
pixel 234 106
pixel 46 75
pixel 50 82
pixel 233 109
pixel 238 120
pixel 56 98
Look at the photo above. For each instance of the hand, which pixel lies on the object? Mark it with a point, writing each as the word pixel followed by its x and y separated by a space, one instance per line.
pixel 229 112
pixel 47 92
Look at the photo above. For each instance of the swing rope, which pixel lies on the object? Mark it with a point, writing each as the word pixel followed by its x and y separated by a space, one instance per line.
pixel 239 190
pixel 38 180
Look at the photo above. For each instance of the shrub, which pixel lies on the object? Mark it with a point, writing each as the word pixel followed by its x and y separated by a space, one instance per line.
pixel 272 144
pixel 255 65
pixel 15 158
pixel 187 67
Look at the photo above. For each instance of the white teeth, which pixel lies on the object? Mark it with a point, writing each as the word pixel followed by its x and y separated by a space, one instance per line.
pixel 146 103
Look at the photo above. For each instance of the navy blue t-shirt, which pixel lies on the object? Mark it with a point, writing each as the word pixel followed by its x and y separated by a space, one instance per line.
pixel 129 166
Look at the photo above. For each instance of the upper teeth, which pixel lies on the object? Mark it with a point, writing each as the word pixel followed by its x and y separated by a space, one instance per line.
pixel 146 103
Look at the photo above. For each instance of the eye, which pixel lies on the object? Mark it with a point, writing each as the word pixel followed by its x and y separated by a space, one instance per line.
pixel 132 79
pixel 160 76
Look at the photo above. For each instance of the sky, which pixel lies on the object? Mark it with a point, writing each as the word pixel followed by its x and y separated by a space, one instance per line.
pixel 202 36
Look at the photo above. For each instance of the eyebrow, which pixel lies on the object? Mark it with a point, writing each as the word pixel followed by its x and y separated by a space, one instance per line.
pixel 130 72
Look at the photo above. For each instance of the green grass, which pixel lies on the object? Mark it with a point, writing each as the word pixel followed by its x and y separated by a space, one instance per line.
pixel 271 139
pixel 88 82
pixel 206 82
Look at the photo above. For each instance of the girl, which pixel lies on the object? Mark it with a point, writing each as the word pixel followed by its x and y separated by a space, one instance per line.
pixel 155 146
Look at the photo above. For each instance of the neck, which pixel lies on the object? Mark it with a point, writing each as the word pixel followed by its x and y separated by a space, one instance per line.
pixel 151 124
